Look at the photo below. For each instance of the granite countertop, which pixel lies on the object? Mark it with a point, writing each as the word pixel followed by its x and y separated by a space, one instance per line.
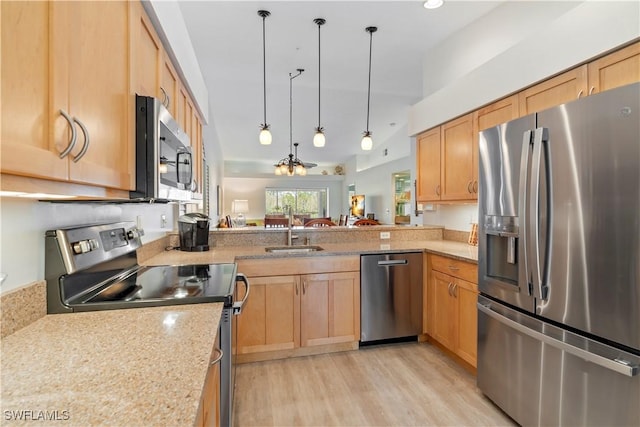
pixel 458 250
pixel 144 366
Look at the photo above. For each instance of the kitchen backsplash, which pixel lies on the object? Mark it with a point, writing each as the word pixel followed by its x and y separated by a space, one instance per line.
pixel 24 222
pixel 22 306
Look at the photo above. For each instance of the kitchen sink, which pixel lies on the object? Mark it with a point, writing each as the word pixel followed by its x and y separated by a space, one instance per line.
pixel 293 249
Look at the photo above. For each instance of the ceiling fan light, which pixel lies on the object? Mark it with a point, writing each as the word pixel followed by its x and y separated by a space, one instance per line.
pixel 278 171
pixel 299 168
pixel 303 172
pixel 318 138
pixel 265 135
pixel 367 143
pixel 290 171
pixel 284 169
pixel 433 4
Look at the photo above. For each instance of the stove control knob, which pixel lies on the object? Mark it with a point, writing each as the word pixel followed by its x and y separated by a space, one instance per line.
pixel 81 247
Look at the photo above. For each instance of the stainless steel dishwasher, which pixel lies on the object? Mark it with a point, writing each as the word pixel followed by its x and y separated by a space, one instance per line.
pixel 390 296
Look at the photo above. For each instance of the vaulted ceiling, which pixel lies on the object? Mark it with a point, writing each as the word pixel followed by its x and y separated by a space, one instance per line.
pixel 227 39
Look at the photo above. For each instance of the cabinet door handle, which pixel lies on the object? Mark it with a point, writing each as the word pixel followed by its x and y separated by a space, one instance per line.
pixel 469 187
pixel 449 288
pixel 74 135
pixel 591 90
pixel 297 289
pixel 579 94
pixel 475 186
pixel 304 287
pixel 438 190
pixel 454 289
pixel 218 358
pixel 453 268
pixel 164 95
pixel 85 147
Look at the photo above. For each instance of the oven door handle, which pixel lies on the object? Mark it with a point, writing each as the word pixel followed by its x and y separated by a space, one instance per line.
pixel 237 306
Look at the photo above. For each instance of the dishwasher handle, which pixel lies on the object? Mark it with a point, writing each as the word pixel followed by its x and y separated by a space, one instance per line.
pixel 393 262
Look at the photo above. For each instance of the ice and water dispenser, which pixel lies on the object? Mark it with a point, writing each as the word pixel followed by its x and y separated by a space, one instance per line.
pixel 501 240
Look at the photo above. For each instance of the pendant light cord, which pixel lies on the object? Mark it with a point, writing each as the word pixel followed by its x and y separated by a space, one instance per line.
pixel 371 31
pixel 291 77
pixel 319 24
pixel 264 69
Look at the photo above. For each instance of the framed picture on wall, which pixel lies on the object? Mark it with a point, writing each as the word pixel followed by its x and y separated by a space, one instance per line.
pixel 357 206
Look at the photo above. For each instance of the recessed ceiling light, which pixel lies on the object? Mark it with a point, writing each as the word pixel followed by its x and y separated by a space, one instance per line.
pixel 433 4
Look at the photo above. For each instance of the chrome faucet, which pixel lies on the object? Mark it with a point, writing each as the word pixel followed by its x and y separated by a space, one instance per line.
pixel 290 236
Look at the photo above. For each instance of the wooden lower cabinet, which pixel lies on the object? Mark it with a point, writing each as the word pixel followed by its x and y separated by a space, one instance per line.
pixel 285 314
pixel 270 318
pixel 451 313
pixel 330 308
pixel 209 410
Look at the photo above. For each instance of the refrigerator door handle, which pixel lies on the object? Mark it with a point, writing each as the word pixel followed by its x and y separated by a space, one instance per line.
pixel 618 365
pixel 534 213
pixel 523 205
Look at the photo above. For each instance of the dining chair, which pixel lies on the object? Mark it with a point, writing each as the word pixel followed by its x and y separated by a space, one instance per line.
pixel 276 222
pixel 320 222
pixel 366 221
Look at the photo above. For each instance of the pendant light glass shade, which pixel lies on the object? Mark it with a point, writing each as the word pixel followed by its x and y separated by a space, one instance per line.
pixel 318 138
pixel 265 134
pixel 367 143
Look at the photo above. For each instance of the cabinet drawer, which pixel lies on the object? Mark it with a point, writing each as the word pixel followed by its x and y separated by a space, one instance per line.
pixel 453 267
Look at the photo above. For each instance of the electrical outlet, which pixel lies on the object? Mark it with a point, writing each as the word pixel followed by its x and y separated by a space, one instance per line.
pixel 385 234
pixel 163 221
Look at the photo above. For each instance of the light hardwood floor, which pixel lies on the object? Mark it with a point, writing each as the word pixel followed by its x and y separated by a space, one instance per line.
pixel 400 384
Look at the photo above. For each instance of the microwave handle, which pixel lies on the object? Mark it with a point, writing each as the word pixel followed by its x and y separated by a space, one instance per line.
pixel 188 182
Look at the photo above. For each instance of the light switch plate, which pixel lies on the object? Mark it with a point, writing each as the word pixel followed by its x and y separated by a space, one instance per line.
pixel 385 234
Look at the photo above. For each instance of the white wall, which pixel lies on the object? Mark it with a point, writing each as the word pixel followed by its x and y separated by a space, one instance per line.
pixel 377 185
pixel 487 61
pixel 252 189
pixel 23 224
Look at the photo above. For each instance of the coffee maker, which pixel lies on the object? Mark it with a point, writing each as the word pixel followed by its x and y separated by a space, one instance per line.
pixel 194 232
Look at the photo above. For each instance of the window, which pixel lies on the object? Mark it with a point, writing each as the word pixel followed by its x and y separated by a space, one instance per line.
pixel 311 202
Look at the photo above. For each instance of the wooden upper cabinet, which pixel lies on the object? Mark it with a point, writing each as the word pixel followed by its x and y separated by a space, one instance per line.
pixel 428 167
pixel 458 158
pixel 68 76
pixel 98 97
pixel 146 54
pixel 563 88
pixel 30 145
pixel 169 85
pixel 499 112
pixel 616 69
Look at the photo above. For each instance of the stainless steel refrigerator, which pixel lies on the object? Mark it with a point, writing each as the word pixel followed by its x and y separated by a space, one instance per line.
pixel 559 263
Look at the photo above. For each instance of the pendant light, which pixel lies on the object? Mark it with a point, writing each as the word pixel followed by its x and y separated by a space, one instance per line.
pixel 265 134
pixel 367 143
pixel 318 138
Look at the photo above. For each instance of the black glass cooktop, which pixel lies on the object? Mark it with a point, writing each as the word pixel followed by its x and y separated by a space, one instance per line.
pixel 157 285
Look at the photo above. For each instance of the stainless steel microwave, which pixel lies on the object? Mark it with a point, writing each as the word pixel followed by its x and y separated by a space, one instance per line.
pixel 164 161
